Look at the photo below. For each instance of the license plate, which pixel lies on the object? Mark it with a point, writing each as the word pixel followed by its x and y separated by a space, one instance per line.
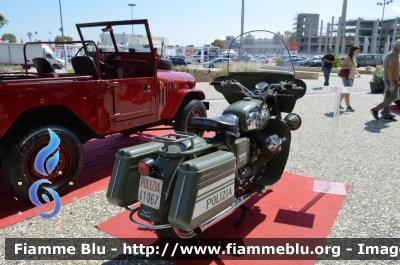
pixel 150 191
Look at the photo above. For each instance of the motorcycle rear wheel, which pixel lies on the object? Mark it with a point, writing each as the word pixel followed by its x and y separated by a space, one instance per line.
pixel 172 234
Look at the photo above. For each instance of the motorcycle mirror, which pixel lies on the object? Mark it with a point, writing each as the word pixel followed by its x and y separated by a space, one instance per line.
pixel 293 121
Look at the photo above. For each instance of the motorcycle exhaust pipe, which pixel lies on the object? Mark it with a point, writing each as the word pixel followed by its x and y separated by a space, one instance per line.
pixel 236 204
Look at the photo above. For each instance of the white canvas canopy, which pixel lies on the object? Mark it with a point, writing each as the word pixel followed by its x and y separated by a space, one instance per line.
pixel 230 52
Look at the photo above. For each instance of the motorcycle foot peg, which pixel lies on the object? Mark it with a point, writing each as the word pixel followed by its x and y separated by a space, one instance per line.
pixel 257 186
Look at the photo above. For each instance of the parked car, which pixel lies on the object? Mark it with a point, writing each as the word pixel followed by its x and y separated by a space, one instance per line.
pixel 177 61
pixel 260 59
pixel 369 60
pixel 217 62
pixel 273 59
pixel 232 57
pixel 316 62
pixel 306 60
pixel 195 58
pixel 342 60
pixel 296 62
pixel 287 57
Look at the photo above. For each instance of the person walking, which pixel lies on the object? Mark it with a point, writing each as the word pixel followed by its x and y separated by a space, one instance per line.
pixel 327 62
pixel 391 81
pixel 349 63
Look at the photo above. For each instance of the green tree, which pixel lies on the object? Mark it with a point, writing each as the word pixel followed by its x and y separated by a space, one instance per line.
pixel 66 38
pixel 10 37
pixel 291 38
pixel 280 62
pixel 337 62
pixel 3 20
pixel 218 43
pixel 276 40
pixel 248 39
pixel 29 34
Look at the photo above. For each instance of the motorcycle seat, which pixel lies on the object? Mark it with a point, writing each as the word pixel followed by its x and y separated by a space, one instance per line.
pixel 227 123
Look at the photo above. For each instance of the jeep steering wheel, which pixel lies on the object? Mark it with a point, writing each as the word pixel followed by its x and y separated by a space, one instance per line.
pixel 86 45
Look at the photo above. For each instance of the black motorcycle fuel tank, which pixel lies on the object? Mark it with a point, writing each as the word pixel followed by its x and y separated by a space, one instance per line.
pixel 253 114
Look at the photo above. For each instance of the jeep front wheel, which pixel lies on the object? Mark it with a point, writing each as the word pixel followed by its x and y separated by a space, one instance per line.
pixel 19 168
pixel 193 109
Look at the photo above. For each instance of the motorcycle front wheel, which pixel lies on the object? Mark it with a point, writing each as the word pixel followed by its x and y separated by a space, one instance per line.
pixel 173 234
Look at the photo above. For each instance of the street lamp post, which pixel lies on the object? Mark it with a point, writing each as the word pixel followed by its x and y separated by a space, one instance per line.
pixel 63 40
pixel 384 3
pixel 241 33
pixel 132 5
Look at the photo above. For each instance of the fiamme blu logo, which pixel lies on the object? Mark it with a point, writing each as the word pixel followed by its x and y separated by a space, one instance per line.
pixel 45 162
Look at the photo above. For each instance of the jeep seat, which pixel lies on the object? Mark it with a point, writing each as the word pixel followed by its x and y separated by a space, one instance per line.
pixel 43 66
pixel 84 65
pixel 227 123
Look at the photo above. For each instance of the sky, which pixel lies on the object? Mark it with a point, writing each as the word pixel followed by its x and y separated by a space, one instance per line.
pixel 184 22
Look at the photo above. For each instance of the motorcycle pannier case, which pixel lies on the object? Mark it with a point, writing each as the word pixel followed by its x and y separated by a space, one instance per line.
pixel 124 183
pixel 204 187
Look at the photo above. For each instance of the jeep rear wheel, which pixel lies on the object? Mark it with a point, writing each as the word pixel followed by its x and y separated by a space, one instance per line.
pixel 18 167
pixel 192 109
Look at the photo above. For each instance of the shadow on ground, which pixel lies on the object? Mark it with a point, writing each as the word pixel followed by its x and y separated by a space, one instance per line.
pixel 375 126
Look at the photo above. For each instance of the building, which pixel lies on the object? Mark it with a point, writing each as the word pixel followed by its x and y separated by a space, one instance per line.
pixel 139 39
pixel 366 33
pixel 228 41
pixel 372 35
pixel 305 32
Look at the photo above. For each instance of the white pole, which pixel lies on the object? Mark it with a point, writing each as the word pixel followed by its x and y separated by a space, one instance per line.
pixel 241 32
pixel 62 34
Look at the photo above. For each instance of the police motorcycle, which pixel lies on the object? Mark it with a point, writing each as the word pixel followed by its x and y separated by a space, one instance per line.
pixel 186 183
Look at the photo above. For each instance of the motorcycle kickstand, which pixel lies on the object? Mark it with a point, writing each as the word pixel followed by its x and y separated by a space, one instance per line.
pixel 244 209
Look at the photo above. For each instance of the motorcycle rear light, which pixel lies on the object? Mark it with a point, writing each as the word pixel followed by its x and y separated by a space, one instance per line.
pixel 146 166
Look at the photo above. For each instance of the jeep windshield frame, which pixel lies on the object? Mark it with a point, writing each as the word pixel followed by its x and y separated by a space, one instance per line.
pixel 108 27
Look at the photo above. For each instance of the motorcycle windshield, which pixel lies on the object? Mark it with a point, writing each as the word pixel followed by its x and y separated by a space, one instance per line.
pixel 258 50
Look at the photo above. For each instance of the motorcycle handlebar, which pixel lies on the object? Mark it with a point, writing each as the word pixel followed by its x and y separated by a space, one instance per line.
pixel 215 83
pixel 290 86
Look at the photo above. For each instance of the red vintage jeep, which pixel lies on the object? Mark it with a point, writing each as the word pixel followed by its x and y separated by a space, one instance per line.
pixel 120 85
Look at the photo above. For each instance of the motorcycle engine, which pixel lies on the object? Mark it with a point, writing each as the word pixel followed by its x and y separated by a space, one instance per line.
pixel 269 146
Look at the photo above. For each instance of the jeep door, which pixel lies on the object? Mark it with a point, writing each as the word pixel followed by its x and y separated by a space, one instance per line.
pixel 132 75
pixel 134 97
